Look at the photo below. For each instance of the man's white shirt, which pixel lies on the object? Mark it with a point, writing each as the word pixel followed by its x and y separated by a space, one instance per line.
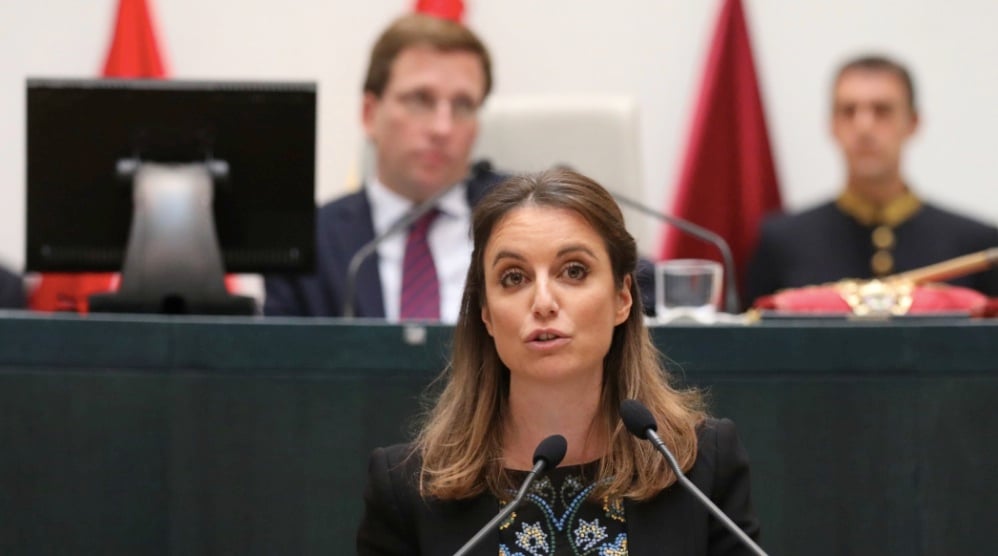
pixel 450 245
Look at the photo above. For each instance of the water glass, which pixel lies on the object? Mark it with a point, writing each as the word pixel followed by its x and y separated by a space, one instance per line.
pixel 687 290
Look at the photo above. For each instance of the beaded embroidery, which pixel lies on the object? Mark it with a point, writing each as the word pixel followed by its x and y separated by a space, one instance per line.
pixel 557 518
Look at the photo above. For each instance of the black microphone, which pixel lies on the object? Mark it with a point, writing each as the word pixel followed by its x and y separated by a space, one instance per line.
pixel 548 455
pixel 399 225
pixel 731 302
pixel 641 423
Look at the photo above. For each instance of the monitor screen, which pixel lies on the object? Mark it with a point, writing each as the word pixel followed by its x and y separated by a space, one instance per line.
pixel 80 209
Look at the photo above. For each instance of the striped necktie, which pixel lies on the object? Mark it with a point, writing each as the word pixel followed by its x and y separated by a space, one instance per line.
pixel 420 287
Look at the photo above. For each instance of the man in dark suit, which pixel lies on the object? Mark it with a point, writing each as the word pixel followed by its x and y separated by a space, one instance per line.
pixel 426 80
pixel 878 225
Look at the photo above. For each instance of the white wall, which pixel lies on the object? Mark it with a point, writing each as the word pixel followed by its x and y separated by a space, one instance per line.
pixel 652 49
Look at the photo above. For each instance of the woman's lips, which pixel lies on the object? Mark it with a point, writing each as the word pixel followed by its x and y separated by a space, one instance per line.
pixel 547 339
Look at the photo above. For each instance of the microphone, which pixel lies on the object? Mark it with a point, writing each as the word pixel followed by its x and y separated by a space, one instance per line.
pixel 641 423
pixel 548 455
pixel 731 302
pixel 399 225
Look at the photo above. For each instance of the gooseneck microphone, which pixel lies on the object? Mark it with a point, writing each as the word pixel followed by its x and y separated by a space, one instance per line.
pixel 731 302
pixel 548 455
pixel 641 423
pixel 399 225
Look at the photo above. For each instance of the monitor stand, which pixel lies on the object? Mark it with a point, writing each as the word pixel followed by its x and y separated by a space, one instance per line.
pixel 173 263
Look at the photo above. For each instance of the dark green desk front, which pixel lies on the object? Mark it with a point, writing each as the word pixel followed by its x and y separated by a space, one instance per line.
pixel 247 436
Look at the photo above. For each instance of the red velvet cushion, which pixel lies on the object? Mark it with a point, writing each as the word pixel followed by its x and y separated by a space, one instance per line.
pixel 931 298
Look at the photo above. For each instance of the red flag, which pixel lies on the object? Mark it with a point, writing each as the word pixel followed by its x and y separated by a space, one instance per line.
pixel 133 53
pixel 446 9
pixel 728 180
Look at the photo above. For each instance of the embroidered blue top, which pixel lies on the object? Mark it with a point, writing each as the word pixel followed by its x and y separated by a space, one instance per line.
pixel 557 518
pixel 398 521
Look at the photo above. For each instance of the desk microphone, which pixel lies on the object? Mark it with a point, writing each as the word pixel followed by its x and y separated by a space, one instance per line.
pixel 548 455
pixel 731 302
pixel 640 422
pixel 399 225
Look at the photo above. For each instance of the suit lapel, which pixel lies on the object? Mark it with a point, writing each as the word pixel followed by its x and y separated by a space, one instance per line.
pixel 355 230
pixel 659 526
pixel 459 521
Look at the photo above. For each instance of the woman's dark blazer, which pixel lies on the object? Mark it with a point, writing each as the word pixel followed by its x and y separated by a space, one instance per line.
pixel 397 521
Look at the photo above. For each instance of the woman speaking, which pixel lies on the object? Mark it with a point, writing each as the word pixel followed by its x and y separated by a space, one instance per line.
pixel 550 340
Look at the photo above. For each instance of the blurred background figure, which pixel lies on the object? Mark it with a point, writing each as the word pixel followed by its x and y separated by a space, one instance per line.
pixel 425 83
pixel 12 294
pixel 878 225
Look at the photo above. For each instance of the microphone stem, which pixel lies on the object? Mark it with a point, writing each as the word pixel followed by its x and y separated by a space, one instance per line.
pixel 692 489
pixel 466 549
pixel 731 302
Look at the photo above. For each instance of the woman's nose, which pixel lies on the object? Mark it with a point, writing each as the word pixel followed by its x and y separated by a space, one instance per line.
pixel 545 303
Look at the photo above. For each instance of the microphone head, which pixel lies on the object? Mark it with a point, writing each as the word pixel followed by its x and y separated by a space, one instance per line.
pixel 481 167
pixel 637 418
pixel 551 450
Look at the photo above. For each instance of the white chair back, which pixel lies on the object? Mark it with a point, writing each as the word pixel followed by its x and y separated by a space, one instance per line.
pixel 597 135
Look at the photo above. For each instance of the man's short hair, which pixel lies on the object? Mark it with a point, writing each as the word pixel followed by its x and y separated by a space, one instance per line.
pixel 881 63
pixel 419 30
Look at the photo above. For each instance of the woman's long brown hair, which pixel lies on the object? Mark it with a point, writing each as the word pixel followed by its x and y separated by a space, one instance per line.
pixel 461 442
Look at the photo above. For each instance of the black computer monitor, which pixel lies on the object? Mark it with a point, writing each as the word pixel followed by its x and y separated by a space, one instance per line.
pixel 191 179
